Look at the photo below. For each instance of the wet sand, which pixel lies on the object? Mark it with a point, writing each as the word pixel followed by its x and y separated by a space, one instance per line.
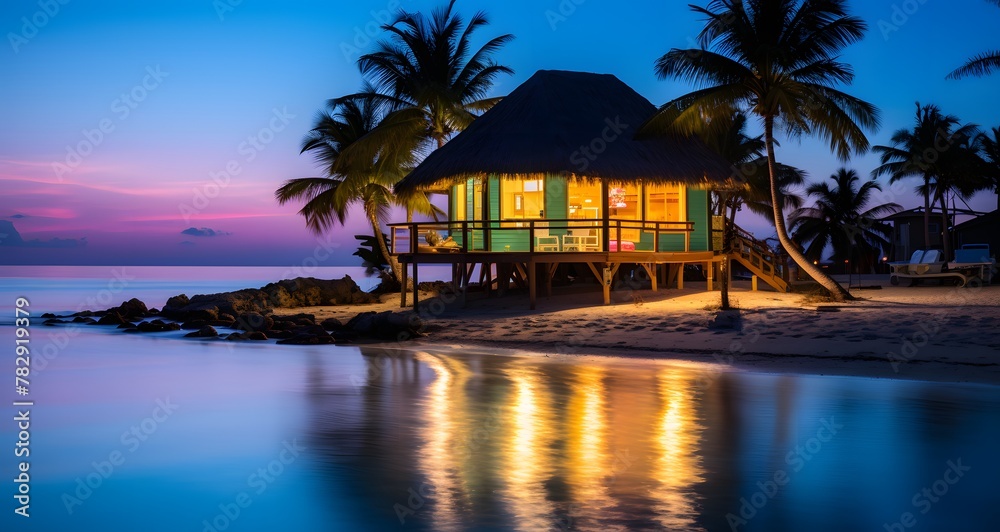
pixel 923 332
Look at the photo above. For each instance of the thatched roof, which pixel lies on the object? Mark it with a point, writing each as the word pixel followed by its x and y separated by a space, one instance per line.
pixel 543 126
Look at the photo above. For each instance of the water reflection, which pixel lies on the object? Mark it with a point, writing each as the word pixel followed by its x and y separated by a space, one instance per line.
pixel 678 466
pixel 528 462
pixel 455 442
pixel 440 456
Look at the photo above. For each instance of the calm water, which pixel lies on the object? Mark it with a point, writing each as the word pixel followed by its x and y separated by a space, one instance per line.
pixel 163 433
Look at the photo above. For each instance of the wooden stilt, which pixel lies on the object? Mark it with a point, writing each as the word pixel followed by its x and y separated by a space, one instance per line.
pixel 416 288
pixel 651 272
pixel 710 271
pixel 606 283
pixel 680 276
pixel 404 289
pixel 532 274
pixel 753 283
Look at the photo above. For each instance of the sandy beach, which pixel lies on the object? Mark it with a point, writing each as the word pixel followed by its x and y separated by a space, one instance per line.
pixel 924 332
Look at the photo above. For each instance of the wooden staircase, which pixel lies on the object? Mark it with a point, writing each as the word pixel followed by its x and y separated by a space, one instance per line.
pixel 757 257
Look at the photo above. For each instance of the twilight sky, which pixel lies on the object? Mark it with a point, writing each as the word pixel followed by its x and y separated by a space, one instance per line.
pixel 156 132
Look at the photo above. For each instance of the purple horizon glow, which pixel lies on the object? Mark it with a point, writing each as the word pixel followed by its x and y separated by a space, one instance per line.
pixel 128 124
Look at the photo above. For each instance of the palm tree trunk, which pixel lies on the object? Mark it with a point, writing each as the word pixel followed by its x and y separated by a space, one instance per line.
pixel 393 263
pixel 927 212
pixel 836 291
pixel 727 248
pixel 945 226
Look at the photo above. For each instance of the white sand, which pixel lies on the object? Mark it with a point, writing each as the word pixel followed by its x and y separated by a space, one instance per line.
pixel 923 332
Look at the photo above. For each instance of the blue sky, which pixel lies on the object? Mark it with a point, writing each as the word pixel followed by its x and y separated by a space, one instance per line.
pixel 203 105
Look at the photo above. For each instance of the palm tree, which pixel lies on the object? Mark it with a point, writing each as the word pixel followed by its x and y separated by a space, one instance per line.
pixel 749 183
pixel 427 79
pixel 778 60
pixel 991 158
pixel 963 173
pixel 928 151
pixel 842 219
pixel 981 65
pixel 328 198
pixel 750 186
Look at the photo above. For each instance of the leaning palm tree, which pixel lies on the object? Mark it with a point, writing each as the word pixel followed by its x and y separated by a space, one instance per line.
pixel 329 198
pixel 426 74
pixel 778 60
pixel 981 65
pixel 748 186
pixel 927 151
pixel 842 219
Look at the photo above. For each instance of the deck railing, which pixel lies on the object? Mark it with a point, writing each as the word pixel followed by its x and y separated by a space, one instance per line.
pixel 533 236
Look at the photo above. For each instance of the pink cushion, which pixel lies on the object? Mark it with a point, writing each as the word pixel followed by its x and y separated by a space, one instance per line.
pixel 626 245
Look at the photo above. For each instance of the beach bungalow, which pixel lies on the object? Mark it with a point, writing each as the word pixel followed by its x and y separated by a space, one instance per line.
pixel 553 175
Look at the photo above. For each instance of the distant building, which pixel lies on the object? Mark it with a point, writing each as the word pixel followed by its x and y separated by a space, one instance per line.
pixel 983 229
pixel 908 231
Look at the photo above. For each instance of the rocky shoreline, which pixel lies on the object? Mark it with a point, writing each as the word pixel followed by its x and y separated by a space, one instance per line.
pixel 251 315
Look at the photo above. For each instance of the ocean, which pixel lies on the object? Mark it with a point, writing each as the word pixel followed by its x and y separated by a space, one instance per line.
pixel 162 433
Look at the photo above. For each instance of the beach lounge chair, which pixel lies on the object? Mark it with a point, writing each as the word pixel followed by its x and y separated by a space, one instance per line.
pixel 931 262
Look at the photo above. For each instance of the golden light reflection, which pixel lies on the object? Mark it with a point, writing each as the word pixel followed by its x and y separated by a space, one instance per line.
pixel 527 453
pixel 439 459
pixel 588 466
pixel 677 436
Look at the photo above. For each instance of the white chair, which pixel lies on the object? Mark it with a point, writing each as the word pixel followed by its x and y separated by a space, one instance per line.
pixel 581 240
pixel 544 241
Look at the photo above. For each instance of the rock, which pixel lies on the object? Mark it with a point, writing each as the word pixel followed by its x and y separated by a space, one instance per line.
pixel 307 339
pixel 205 332
pixel 236 337
pixel 289 293
pixel 387 325
pixel 131 309
pixel 226 317
pixel 48 315
pixel 83 319
pixel 111 318
pixel 192 325
pixel 253 322
pixel 53 321
pixel 153 312
pixel 297 319
pixel 257 336
pixel 84 314
pixel 332 324
pixel 175 303
pixel 157 326
pixel 726 320
pixel 127 325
